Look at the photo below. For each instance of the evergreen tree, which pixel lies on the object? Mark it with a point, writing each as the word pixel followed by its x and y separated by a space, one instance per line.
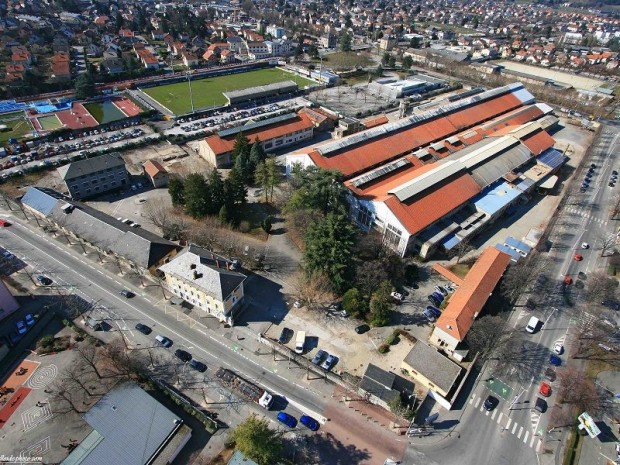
pixel 241 146
pixel 381 304
pixel 235 191
pixel 257 153
pixel 85 86
pixel 243 167
pixel 197 195
pixel 345 42
pixel 175 189
pixel 224 215
pixel 216 188
pixel 330 244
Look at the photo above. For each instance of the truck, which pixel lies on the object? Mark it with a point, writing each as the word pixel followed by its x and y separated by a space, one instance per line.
pixel 248 390
pixel 300 342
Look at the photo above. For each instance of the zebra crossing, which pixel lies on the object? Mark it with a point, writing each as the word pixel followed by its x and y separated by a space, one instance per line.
pixel 506 423
pixel 580 212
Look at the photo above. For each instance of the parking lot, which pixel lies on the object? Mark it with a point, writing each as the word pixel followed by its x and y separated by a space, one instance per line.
pixel 75 147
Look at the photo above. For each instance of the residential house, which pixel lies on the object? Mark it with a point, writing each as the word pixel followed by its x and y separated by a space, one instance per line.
pixel 94 176
pixel 384 386
pixel 227 57
pixel 275 31
pixel 258 50
pixel 128 245
pixel 21 56
pixel 206 281
pixel 189 59
pixel 148 60
pixel 157 174
pixel 61 66
pixel 112 65
pixel 14 72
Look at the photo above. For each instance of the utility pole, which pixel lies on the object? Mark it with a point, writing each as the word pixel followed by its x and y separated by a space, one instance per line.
pixel 191 96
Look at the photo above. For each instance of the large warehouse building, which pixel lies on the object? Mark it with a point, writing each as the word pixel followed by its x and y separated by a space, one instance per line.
pixel 432 180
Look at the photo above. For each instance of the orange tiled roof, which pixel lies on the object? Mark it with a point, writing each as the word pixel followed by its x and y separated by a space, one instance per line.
pixel 469 299
pixel 378 121
pixel 221 146
pixel 377 151
pixel 423 210
pixel 538 142
pixel 153 167
pixel 61 68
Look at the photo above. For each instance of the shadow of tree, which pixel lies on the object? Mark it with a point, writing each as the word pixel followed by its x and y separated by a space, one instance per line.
pixel 327 450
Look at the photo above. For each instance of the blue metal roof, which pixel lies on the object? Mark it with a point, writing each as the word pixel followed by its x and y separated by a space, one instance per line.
pixel 450 241
pixel 39 200
pixel 496 197
pixel 552 158
pixel 514 243
pixel 507 250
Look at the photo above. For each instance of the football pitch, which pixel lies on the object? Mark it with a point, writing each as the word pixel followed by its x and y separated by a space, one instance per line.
pixel 208 92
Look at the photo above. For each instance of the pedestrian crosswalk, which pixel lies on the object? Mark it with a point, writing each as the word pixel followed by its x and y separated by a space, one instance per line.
pixel 528 436
pixel 581 213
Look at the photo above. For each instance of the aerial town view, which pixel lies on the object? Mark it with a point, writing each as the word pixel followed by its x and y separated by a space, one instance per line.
pixel 240 232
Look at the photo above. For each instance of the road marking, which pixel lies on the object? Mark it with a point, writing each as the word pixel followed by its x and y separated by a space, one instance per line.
pixel 527 433
pixel 514 427
pixel 471 400
pixel 477 402
pixel 494 413
pixel 520 432
pixel 508 424
pixel 501 414
pixel 487 413
pixel 532 441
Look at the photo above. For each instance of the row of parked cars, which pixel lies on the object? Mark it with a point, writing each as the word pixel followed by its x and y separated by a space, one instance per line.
pixel 166 342
pixel 226 118
pixel 21 328
pixel 432 312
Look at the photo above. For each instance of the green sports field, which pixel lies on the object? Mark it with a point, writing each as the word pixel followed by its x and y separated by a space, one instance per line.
pixel 209 92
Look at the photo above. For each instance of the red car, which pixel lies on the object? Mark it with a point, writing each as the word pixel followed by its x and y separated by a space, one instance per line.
pixel 545 389
pixel 568 280
pixel 4 223
pixel 578 257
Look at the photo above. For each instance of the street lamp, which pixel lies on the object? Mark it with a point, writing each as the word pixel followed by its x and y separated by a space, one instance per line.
pixel 191 96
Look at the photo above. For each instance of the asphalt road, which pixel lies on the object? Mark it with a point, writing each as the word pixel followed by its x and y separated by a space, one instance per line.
pixel 73 273
pixel 515 433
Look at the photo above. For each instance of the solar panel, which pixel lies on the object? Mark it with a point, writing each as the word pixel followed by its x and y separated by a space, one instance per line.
pixel 414 119
pixel 375 174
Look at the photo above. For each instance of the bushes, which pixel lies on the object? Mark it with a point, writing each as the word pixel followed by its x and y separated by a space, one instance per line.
pixel 383 348
pixel 393 339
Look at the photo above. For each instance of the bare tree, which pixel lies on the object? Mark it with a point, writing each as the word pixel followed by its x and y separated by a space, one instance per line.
pixel 311 290
pixel 75 377
pixel 517 358
pixel 460 250
pixel 158 214
pixel 66 398
pixel 89 355
pixel 576 389
pixel 562 415
pixel 601 287
pixel 486 334
pixel 519 277
pixel 123 363
pixel 607 243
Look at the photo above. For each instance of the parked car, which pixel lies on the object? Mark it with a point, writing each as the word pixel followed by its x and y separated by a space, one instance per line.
pixel 541 405
pixel 585 245
pixel 397 296
pixel 329 362
pixel 319 356
pixel 578 257
pixel 442 290
pixel 29 319
pixel 545 389
pixel 438 295
pixel 4 223
pixel 550 374
pixel 164 341
pixel 434 310
pixel 44 280
pixel 198 366
pixel 21 327
pixel 144 329
pixel 285 335
pixel 432 299
pixel 183 355
pixel 287 419
pixel 555 360
pixel 361 329
pixel 430 316
pixel 558 348
pixel 490 403
pixel 8 255
pixel 309 422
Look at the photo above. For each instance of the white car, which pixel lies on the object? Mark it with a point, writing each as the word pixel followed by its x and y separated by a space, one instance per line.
pixel 558 348
pixel 397 296
pixel 585 245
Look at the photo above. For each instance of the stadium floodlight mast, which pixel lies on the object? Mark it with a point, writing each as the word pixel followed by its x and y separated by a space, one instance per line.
pixel 191 96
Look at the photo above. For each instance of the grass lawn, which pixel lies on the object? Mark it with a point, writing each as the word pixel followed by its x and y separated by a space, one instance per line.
pixel 49 123
pixel 209 92
pixel 16 128
pixel 346 60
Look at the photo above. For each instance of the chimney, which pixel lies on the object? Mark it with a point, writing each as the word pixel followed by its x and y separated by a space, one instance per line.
pixel 192 266
pixel 195 274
